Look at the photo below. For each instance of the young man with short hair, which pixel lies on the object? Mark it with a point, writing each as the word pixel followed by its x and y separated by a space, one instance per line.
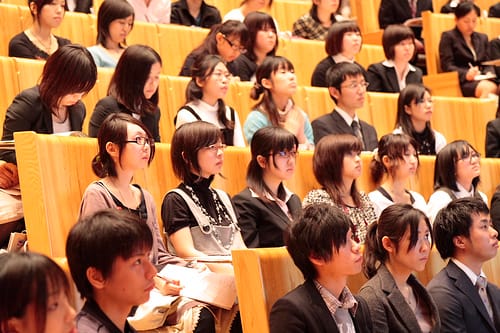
pixel 347 87
pixel 321 246
pixel 464 233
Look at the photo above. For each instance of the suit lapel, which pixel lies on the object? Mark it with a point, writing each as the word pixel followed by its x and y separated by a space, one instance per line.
pixel 281 219
pixel 340 124
pixel 320 309
pixel 464 284
pixel 393 79
pixel 397 301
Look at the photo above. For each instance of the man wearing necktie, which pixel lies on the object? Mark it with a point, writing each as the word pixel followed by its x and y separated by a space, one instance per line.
pixel 347 87
pixel 464 233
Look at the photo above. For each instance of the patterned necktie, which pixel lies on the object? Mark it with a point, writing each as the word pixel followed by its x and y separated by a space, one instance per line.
pixel 481 287
pixel 357 132
pixel 413 7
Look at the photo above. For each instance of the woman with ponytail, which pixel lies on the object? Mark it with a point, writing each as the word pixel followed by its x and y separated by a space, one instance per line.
pixel 205 94
pixel 398 244
pixel 277 82
pixel 397 159
pixel 266 207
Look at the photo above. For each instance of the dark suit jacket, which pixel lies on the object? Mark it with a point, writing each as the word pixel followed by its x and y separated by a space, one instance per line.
pixel 83 6
pixel 27 113
pixel 398 11
pixel 389 310
pixel 109 104
pixel 495 211
pixel 318 78
pixel 333 123
pixel 460 306
pixel 263 223
pixel 303 310
pixel 385 79
pixel 455 55
pixel 209 15
pixel 493 138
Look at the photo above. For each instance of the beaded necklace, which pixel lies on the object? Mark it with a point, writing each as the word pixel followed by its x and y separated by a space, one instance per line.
pixel 221 216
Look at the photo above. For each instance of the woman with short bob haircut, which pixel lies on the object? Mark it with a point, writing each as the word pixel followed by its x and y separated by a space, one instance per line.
pixel 336 166
pixel 456 175
pixel 228 40
pixel 205 94
pixel 342 44
pixel 277 83
pixel 262 42
pixel 395 72
pixel 38 42
pixel 415 108
pixel 35 296
pixel 54 105
pixel 397 245
pixel 133 89
pixel 396 158
pixel 266 207
pixel 315 24
pixel 114 17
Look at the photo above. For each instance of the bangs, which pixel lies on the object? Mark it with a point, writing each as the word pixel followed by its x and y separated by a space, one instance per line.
pixel 282 64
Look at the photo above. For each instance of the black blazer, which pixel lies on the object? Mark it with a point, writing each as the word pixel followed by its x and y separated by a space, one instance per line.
pixel 303 310
pixel 459 304
pixel 455 55
pixel 398 11
pixel 389 310
pixel 263 223
pixel 109 105
pixel 385 79
pixel 27 113
pixel 333 123
pixel 492 144
pixel 318 78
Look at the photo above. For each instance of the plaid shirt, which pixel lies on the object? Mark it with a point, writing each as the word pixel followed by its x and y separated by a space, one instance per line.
pixel 306 27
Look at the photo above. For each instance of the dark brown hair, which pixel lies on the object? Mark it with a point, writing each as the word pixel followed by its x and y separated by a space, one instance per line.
pixel 335 37
pixel 109 11
pixel 393 35
pixel 255 22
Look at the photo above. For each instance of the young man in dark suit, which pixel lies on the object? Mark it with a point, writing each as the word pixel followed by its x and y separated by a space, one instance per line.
pixel 464 233
pixel 347 87
pixel 321 246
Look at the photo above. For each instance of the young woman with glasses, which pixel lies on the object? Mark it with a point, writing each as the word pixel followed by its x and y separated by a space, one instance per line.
pixel 227 40
pixel 205 94
pixel 266 207
pixel 456 175
pixel 415 108
pixel 277 82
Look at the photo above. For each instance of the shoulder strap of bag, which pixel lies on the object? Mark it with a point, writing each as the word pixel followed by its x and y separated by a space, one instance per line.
pixel 190 109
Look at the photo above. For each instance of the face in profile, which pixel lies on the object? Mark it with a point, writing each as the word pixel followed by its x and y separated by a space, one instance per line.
pixel 211 159
pixel 482 243
pixel 153 80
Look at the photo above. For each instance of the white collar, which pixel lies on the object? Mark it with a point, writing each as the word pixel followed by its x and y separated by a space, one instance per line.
pixel 338 58
pixel 470 274
pixel 346 116
pixel 288 194
pixel 390 63
pixel 463 192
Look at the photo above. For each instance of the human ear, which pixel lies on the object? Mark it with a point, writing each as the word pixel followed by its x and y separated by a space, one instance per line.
pixel 33 8
pixel 262 161
pixel 407 109
pixel 112 149
pixel 95 278
pixel 458 242
pixel 266 83
pixel 15 325
pixel 388 245
pixel 219 37
pixel 199 82
pixel 334 92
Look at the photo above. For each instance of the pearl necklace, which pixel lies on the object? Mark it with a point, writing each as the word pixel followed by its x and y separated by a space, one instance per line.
pixel 221 216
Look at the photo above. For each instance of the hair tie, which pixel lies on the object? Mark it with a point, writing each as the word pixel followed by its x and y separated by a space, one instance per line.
pixel 376 156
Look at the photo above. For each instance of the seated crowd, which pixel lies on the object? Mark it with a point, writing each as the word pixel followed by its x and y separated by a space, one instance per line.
pixel 117 252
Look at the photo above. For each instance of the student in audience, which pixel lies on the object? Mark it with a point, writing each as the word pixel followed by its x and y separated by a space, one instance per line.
pixel 247 7
pixel 396 72
pixel 199 220
pixel 492 143
pixel 404 12
pixel 53 106
pixel 152 11
pixel 456 175
pixel 133 90
pixel 397 245
pixel 108 256
pixel 115 21
pixel 395 162
pixel 35 296
pixel 494 10
pixel 495 210
pixel 321 245
pixel 194 13
pixel 126 146
pixel 336 166
pixel 80 6
pixel 494 52
pixel 227 40
pixel 205 100
pixel 266 207
pixel 316 23
pixel 347 88
pixel 466 302
pixel 463 50
pixel 277 82
pixel 415 108
pixel 342 44
pixel 449 7
pixel 38 42
pixel 262 42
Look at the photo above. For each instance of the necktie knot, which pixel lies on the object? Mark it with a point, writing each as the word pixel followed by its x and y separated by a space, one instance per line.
pixel 481 282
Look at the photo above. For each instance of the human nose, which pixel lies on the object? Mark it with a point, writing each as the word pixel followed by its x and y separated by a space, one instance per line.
pixel 494 232
pixel 150 269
